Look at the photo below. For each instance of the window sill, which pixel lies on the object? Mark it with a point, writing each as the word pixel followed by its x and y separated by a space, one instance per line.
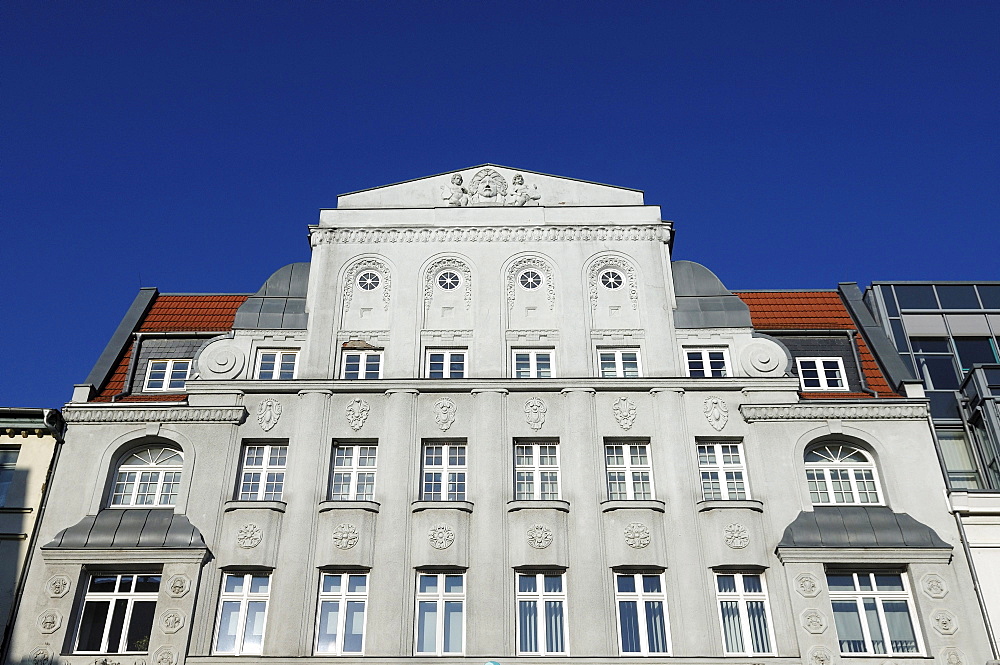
pixel 640 504
pixel 277 506
pixel 370 506
pixel 538 504
pixel 715 504
pixel 15 510
pixel 464 506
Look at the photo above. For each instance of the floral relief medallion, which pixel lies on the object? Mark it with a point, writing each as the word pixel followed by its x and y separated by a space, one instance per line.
pixel 539 536
pixel 345 536
pixel 441 536
pixel 268 413
pixel 624 410
pixel 534 413
pixel 637 535
pixel 357 413
pixel 737 536
pixel 249 536
pixel 716 412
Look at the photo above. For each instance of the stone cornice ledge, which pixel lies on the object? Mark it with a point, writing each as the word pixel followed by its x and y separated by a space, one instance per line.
pixel 146 414
pixel 497 233
pixel 885 411
pixel 870 555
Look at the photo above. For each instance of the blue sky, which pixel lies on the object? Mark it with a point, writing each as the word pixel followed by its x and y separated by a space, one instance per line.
pixel 186 145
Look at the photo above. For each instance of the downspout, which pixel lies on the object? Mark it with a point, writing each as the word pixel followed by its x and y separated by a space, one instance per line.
pixel 852 335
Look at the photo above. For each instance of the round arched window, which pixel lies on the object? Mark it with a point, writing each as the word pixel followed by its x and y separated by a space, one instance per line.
pixel 530 279
pixel 449 280
pixel 612 279
pixel 148 476
pixel 368 280
pixel 839 473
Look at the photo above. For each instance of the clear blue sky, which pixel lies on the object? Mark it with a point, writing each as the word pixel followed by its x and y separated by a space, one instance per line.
pixel 186 145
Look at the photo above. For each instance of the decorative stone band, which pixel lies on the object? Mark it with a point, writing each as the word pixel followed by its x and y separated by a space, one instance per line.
pixel 491 234
pixel 118 414
pixel 752 412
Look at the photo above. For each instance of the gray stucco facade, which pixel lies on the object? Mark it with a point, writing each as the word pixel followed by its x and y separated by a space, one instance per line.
pixel 556 300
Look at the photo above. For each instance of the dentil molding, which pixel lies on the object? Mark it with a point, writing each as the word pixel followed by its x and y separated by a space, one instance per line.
pixel 127 414
pixel 752 412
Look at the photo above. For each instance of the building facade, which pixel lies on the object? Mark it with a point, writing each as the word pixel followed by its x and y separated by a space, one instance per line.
pixel 492 419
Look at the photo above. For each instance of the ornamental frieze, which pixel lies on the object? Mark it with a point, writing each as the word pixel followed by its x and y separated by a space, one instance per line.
pixel 752 412
pixel 119 414
pixel 635 232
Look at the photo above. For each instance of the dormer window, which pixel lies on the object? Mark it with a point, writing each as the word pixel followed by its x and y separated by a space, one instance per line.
pixel 167 375
pixel 816 374
pixel 275 365
pixel 703 363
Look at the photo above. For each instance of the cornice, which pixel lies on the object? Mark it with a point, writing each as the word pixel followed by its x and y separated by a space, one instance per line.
pixel 403 235
pixel 145 414
pixel 890 411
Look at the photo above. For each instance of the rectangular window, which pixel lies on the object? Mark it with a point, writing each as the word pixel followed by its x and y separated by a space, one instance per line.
pixel 622 363
pixel 361 365
pixel 242 613
pixel 536 471
pixel 642 613
pixel 532 364
pixel 707 362
pixel 872 613
pixel 444 364
pixel 340 627
pixel 353 475
pixel 8 462
pixel 277 365
pixel 262 477
pixel 440 626
pixel 744 614
pixel 541 614
pixel 821 374
pixel 118 612
pixel 629 472
pixel 444 472
pixel 722 472
pixel 166 375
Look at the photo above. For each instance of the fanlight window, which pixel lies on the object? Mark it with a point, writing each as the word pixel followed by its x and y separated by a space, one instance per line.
pixel 148 477
pixel 839 473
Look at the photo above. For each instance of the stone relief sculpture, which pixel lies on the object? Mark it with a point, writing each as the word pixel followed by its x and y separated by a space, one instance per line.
pixel 534 263
pixel 637 535
pixel 716 412
pixel 624 410
pixel 365 265
pixel 178 585
pixel 934 586
pixel 57 586
pixel 166 656
pixel 223 358
pixel 41 656
pixel 488 188
pixel 953 656
pixel 455 194
pixel 621 264
pixel 444 413
pixel 447 263
pixel 807 585
pixel 519 193
pixel 249 536
pixel 357 413
pixel 737 537
pixel 534 413
pixel 441 536
pixel 944 622
pixel 345 536
pixel 820 656
pixel 539 536
pixel 813 621
pixel 268 413
pixel 171 621
pixel 49 621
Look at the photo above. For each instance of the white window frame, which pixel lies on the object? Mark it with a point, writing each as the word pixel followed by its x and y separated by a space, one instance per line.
pixel 281 357
pixel 439 597
pixel 879 598
pixel 8 463
pixel 244 598
pixel 821 374
pixel 619 363
pixel 629 469
pixel 363 357
pixel 111 597
pixel 703 357
pixel 354 454
pixel 540 597
pixel 446 363
pixel 158 477
pixel 533 370
pixel 271 472
pixel 452 473
pixel 723 464
pixel 742 597
pixel 168 378
pixel 528 468
pixel 820 477
pixel 342 598
pixel 640 597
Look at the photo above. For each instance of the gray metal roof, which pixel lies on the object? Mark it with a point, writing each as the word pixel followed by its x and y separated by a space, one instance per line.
pixel 280 304
pixel 703 301
pixel 859 526
pixel 116 529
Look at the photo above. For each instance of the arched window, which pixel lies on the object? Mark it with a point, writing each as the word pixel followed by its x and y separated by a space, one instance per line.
pixel 839 473
pixel 148 476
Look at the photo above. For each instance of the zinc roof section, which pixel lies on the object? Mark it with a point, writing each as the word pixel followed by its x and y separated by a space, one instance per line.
pixel 814 310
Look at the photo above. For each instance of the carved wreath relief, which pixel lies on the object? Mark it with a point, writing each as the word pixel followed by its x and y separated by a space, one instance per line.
pixel 57 586
pixel 637 535
pixel 539 536
pixel 716 412
pixel 357 413
pixel 534 413
pixel 249 536
pixel 268 413
pixel 441 536
pixel 624 410
pixel 345 536
pixel 171 621
pixel 444 413
pixel 488 188
pixel 737 536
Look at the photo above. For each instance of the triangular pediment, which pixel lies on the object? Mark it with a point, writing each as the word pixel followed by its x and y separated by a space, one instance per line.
pixel 490 185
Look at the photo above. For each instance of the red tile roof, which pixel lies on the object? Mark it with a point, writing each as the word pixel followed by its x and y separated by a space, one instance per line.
pixel 814 310
pixel 170 313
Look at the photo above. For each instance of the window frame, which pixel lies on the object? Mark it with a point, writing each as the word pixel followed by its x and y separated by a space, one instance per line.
pixel 168 377
pixel 446 362
pixel 362 364
pixel 629 469
pixel 447 468
pixel 532 362
pixel 536 468
pixel 640 597
pixel 722 469
pixel 702 351
pixel 343 597
pixel 539 597
pixel 264 469
pixel 7 471
pixel 279 360
pixel 742 597
pixel 355 470
pixel 617 352
pixel 851 468
pixel 440 597
pixel 821 374
pixel 244 597
pixel 858 595
pixel 111 597
pixel 136 483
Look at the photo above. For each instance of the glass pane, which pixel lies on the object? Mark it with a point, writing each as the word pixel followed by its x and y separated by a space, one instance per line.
pixel 554 626
pixel 890 300
pixel 331 583
pixel 651 583
pixel 874 627
pixel 958 296
pixel 103 583
pixel 117 626
pixel 626 583
pixel 357 583
pixel 656 627
pixel 426 627
pixel 528 626
pixel 758 626
pixel 930 345
pixel 354 627
pixel 253 631
pixel 973 350
pixel 897 619
pixel 628 617
pixel 914 296
pixel 140 625
pixel 845 617
pixel 259 583
pixel 452 626
pixel 889 582
pixel 731 631
pixel 147 583
pixel 125 583
pixel 840 581
pixel 428 584
pixel 95 615
pixel 453 584
pixel 938 371
pixel 990 295
pixel 751 584
pixel 233 584
pixel 553 583
pixel 726 583
pixel 526 583
pixel 228 624
pixel 326 632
